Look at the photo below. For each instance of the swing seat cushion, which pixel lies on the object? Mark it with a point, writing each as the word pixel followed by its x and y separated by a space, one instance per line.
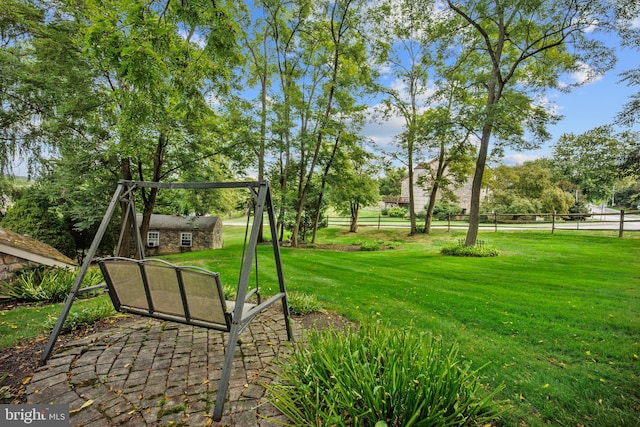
pixel 159 289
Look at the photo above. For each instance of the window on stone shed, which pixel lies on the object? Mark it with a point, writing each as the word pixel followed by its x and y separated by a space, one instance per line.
pixel 153 239
pixel 186 239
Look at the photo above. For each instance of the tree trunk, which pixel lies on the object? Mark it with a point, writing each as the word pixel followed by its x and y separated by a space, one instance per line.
pixel 302 196
pixel 355 208
pixel 263 128
pixel 442 167
pixel 412 213
pixel 432 202
pixel 317 219
pixel 476 187
pixel 324 183
pixel 126 224
pixel 149 199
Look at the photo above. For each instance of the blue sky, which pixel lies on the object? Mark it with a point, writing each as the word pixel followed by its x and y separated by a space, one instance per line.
pixel 594 104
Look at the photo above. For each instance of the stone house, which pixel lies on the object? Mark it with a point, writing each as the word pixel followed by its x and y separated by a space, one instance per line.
pixel 170 234
pixel 18 251
pixel 422 172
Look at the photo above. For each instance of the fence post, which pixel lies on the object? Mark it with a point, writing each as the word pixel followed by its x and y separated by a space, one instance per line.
pixel 448 222
pixel 378 222
pixel 495 222
pixel 621 229
pixel 553 221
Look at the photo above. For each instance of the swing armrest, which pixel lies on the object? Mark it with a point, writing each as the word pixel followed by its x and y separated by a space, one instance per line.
pixel 246 308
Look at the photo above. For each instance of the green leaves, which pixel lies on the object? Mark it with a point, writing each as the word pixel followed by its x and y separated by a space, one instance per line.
pixel 592 159
pixel 45 284
pixel 376 376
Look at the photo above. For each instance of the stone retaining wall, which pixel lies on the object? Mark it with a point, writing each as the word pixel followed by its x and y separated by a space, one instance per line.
pixel 10 264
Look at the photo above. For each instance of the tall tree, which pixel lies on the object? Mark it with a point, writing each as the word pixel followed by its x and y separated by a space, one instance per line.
pixel 353 185
pixel 403 31
pixel 628 13
pixel 336 70
pixel 158 60
pixel 514 49
pixel 592 160
pixel 285 19
pixel 119 84
pixel 46 87
pixel 449 138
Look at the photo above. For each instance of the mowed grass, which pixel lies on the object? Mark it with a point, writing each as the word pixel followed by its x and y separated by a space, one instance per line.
pixel 555 317
pixel 32 321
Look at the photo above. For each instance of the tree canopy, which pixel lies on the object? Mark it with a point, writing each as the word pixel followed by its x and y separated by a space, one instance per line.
pixel 594 160
pixel 166 90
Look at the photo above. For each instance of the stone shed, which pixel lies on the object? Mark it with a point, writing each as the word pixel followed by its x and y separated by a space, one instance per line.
pixel 423 172
pixel 170 234
pixel 18 251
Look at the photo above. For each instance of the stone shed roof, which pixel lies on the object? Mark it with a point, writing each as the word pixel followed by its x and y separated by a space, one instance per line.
pixel 25 247
pixel 173 222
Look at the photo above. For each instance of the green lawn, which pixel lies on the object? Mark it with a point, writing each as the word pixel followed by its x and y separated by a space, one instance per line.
pixel 556 317
pixel 31 321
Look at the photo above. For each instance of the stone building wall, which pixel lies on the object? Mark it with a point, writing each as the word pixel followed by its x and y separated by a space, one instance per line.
pixel 201 240
pixel 10 264
pixel 421 196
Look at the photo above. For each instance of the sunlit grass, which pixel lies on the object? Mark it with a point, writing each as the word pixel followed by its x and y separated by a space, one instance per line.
pixel 556 316
pixel 27 322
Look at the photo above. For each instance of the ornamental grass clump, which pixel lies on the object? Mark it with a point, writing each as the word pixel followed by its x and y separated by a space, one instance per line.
pixel 378 376
pixel 479 250
pixel 302 303
pixel 45 284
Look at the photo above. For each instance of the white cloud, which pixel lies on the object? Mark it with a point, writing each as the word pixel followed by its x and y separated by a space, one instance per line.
pixel 546 103
pixel 383 131
pixel 519 158
pixel 585 74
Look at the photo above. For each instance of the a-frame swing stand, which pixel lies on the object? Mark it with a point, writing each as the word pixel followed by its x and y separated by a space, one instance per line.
pixel 188 295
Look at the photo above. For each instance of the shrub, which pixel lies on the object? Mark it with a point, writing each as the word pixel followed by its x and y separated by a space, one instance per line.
pixel 384 211
pixel 441 210
pixel 35 215
pixel 45 284
pixel 555 199
pixel 301 303
pixel 509 203
pixel 370 245
pixel 376 375
pixel 397 212
pixel 85 316
pixel 479 250
pixel 628 197
pixel 578 212
pixel 229 291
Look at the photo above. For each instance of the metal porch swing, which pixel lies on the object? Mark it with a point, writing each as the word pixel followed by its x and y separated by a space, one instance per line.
pixel 189 295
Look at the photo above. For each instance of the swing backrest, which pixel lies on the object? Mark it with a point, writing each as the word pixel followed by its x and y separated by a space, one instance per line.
pixel 159 289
